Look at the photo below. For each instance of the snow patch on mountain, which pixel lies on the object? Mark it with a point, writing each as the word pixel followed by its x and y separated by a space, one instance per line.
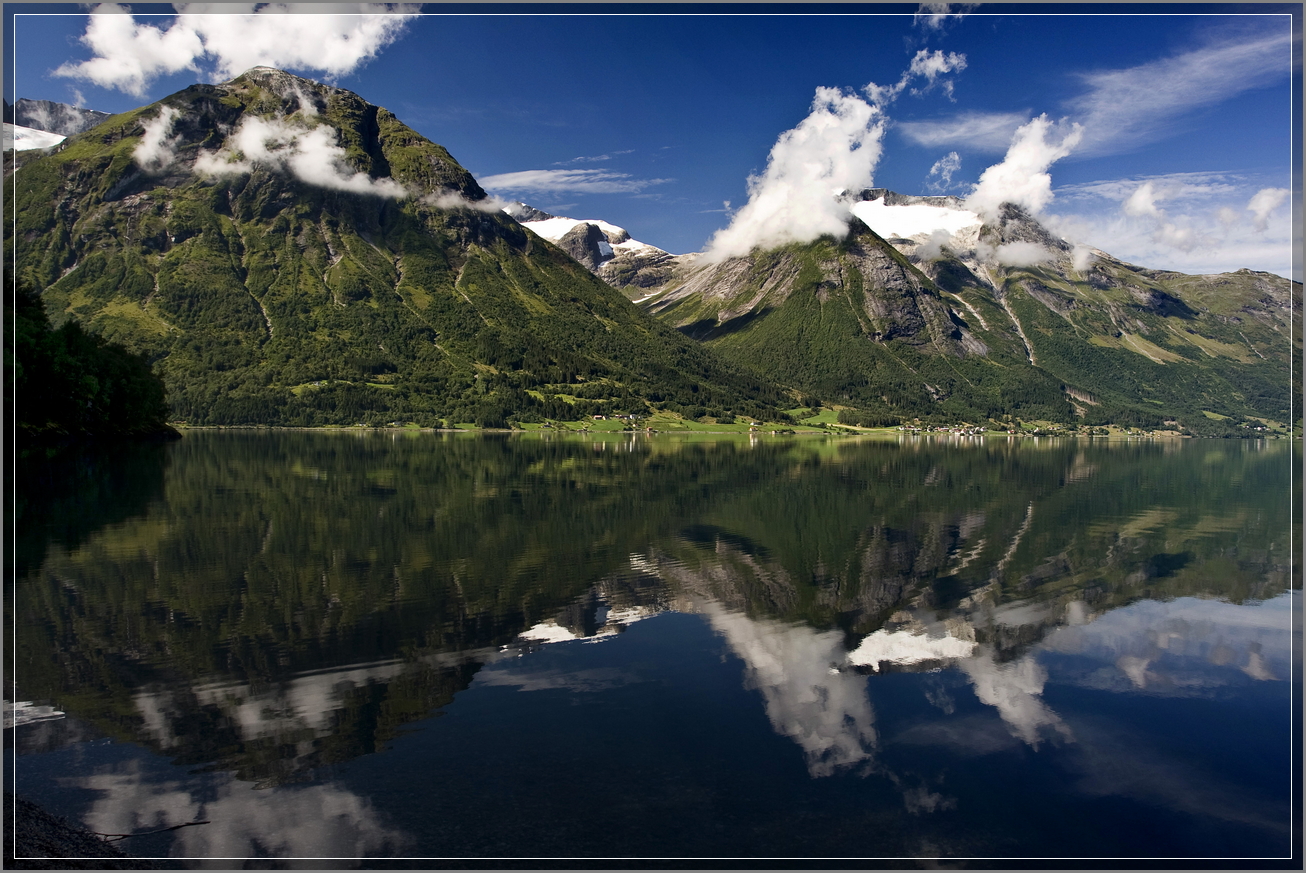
pixel 19 138
pixel 554 229
pixel 914 219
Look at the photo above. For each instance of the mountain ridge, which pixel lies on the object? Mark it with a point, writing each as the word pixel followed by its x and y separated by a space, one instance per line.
pixel 285 252
pixel 1120 343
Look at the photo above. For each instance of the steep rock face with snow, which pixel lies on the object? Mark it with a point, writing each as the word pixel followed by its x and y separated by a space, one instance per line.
pixel 59 118
pixel 287 253
pixel 606 250
pixel 925 308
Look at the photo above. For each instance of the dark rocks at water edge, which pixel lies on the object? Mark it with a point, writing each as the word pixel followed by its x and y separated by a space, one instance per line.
pixel 41 841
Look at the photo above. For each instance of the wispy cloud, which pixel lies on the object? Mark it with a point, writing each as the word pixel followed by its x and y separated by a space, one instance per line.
pixel 944 168
pixel 985 132
pixel 592 159
pixel 926 65
pixel 1121 109
pixel 932 16
pixel 1172 186
pixel 224 40
pixel 577 181
pixel 1124 108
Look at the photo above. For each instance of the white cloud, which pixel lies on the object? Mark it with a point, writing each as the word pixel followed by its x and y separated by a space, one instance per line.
pixel 326 39
pixel 1189 222
pixel 1143 204
pixel 1081 258
pixel 579 181
pixel 1206 643
pixel 1016 254
pixel 1124 108
pixel 944 167
pixel 987 132
pixel 932 65
pixel 311 155
pixel 1022 176
pixel 826 713
pixel 128 56
pixel 156 150
pixel 310 821
pixel 1121 109
pixel 1142 201
pixel 933 247
pixel 1264 202
pixel 1178 236
pixel 1015 689
pixel 834 149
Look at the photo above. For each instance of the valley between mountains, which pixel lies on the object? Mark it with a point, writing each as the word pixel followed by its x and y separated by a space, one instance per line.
pixel 285 253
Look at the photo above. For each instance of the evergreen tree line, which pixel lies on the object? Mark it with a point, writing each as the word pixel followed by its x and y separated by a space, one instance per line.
pixel 66 384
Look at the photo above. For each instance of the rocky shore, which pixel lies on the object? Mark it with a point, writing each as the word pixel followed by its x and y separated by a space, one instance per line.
pixel 41 841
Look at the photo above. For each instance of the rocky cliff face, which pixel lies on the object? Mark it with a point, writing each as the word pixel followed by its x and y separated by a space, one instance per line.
pixel 1033 326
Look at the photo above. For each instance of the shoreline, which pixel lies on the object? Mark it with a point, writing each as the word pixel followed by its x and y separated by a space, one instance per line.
pixel 40 840
pixel 806 430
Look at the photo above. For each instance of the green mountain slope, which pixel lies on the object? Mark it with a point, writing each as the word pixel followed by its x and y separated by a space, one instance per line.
pixel 286 253
pixel 854 323
pixel 903 329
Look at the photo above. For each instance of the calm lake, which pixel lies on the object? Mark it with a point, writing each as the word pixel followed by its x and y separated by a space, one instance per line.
pixel 385 645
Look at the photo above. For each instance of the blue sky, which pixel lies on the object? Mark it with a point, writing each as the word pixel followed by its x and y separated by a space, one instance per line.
pixel 1177 127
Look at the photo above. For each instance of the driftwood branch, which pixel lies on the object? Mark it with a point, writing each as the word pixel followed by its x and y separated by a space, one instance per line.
pixel 113 838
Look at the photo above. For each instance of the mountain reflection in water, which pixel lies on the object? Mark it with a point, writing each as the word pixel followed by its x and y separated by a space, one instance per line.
pixel 285 606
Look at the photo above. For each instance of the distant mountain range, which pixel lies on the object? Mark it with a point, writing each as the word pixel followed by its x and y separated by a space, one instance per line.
pixel 41 124
pixel 924 306
pixel 287 253
pixel 603 248
pixel 926 309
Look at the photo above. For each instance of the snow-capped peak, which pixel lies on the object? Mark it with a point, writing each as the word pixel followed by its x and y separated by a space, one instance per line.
pixel 556 227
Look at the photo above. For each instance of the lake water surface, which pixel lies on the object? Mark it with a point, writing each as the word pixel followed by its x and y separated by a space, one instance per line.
pixel 345 645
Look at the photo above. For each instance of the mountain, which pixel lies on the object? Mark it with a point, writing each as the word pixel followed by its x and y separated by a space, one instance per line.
pixel 287 253
pixel 926 310
pixel 41 124
pixel 604 249
pixel 53 117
